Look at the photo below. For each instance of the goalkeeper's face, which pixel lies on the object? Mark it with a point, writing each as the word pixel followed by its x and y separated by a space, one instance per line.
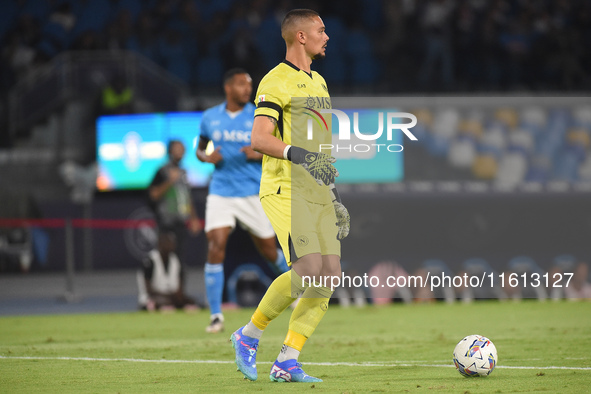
pixel 316 38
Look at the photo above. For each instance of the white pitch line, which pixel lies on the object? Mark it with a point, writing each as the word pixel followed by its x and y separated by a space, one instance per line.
pixel 337 364
pixel 132 360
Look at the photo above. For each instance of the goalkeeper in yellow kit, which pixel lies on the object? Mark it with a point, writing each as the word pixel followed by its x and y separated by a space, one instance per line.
pixel 298 195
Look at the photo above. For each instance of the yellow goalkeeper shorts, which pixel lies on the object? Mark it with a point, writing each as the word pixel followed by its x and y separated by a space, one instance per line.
pixel 302 227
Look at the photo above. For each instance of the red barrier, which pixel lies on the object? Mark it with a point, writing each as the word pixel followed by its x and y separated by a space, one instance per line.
pixel 79 223
pixel 111 224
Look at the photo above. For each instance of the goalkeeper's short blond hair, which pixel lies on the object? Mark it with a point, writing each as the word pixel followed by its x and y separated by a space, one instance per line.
pixel 293 21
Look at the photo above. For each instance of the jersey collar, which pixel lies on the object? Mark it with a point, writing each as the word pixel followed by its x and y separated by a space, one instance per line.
pixel 224 107
pixel 290 64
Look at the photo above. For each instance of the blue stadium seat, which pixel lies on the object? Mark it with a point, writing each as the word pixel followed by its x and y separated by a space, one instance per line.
pixel 437 145
pixel 537 132
pixel 517 149
pixel 209 71
pixel 371 15
pixel 421 132
pixel 364 70
pixel 336 32
pixel 567 163
pixel 133 6
pixel 76 6
pixel 491 123
pixel 38 9
pixel 549 144
pixel 215 47
pixel 539 169
pixel 56 33
pixel 269 42
pixel 47 47
pixel 187 31
pixel 358 44
pixel 489 149
pixel 94 15
pixel 8 17
pixel 180 67
pixel 559 118
pixel 208 8
pixel 190 48
pixel 174 59
pixel 333 70
pixel 147 50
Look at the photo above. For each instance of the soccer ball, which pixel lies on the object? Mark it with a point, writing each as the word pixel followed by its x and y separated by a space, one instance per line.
pixel 475 355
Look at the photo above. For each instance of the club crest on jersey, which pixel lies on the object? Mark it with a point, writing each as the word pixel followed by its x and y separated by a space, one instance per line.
pixel 261 98
pixel 302 240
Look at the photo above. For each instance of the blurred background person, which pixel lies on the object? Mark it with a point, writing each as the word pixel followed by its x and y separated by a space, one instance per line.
pixel 170 197
pixel 234 188
pixel 161 280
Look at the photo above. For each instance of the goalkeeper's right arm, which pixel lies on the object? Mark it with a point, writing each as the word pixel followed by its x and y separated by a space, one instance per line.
pixel 319 165
pixel 262 139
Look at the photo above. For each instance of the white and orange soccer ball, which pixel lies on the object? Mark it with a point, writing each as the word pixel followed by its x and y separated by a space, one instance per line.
pixel 475 355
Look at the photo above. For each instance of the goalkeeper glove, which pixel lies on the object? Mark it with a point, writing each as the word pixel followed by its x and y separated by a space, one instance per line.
pixel 318 164
pixel 343 218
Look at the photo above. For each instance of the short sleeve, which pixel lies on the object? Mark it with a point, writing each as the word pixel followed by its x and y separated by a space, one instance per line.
pixel 204 128
pixel 271 98
pixel 159 178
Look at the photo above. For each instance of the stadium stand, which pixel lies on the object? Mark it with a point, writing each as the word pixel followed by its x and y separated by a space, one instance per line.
pixel 388 37
pixel 510 146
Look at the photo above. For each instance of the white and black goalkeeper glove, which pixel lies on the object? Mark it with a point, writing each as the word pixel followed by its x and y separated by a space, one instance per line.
pixel 318 164
pixel 343 218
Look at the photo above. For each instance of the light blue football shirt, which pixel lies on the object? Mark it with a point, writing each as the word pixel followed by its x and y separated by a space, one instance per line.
pixel 234 176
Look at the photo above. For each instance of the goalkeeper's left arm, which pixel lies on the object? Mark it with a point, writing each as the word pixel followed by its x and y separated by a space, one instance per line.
pixel 343 218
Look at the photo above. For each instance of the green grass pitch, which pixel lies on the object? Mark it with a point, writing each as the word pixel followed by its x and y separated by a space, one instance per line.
pixel 402 348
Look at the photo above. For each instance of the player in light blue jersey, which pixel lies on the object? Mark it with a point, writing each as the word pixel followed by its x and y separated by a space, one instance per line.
pixel 234 188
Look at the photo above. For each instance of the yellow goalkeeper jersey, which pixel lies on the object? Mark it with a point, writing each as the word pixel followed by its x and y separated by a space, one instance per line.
pixel 294 98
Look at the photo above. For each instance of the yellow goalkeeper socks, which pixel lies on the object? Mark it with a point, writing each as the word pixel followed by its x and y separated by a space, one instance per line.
pixel 290 352
pixel 306 316
pixel 277 298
